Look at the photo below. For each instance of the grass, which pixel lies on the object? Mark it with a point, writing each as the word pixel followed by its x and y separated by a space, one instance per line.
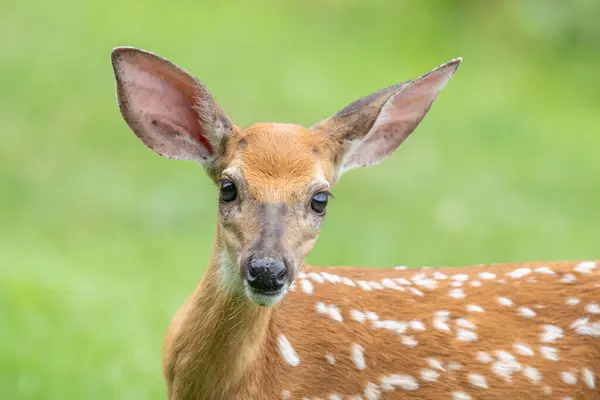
pixel 100 240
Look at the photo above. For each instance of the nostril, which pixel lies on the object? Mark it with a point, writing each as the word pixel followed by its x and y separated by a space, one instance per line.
pixel 281 275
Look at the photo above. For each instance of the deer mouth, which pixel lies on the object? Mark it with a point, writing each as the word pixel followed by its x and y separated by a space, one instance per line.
pixel 265 298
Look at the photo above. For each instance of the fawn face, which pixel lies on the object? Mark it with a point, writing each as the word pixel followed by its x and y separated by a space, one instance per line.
pixel 273 179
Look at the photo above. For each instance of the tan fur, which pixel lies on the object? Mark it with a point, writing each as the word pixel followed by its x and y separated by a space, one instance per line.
pixel 248 365
pixel 513 331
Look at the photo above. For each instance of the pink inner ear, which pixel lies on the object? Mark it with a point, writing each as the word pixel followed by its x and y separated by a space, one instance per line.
pixel 160 97
pixel 398 118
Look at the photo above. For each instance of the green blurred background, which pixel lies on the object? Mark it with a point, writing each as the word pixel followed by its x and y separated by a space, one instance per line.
pixel 101 240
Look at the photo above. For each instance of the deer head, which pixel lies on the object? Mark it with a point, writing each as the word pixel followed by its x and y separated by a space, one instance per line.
pixel 273 179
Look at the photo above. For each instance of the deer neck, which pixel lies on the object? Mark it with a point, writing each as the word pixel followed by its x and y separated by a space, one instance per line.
pixel 226 334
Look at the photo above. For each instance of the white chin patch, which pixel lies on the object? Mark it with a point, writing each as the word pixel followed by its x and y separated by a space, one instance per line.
pixel 264 300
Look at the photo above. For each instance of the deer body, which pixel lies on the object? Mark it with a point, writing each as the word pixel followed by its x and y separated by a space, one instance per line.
pixel 507 331
pixel 263 325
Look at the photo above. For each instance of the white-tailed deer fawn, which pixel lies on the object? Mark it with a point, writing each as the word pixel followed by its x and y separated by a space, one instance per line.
pixel 263 325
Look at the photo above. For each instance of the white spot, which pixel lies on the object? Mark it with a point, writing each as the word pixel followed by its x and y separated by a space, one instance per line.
pixel 316 277
pixel 441 325
pixel 456 284
pixel 519 273
pixel 388 283
pixel 416 325
pixel 403 281
pixel 579 322
pixel 435 364
pixel 330 358
pixel 426 283
pixel 487 275
pixel 330 277
pixel 478 381
pixel 457 293
pixel 589 329
pixel 589 378
pixel 306 286
pixel 532 374
pixel 484 357
pixel 551 333
pixel 287 352
pixel 460 277
pixel 466 336
pixel 358 356
pixel 585 267
pixel 460 396
pixel 568 378
pixel 568 278
pixel 348 282
pixel 418 276
pixel 364 285
pixel 415 291
pixel 474 308
pixel 358 316
pixel 465 323
pixel 375 285
pixel 405 382
pixel 286 395
pixel 330 310
pixel 475 283
pixel 593 308
pixel 523 350
pixel 439 275
pixel 397 326
pixel 401 267
pixel 429 375
pixel 504 356
pixel 371 316
pixel 409 341
pixel 572 301
pixel 454 366
pixel 505 302
pixel 372 391
pixel 334 396
pixel 545 271
pixel 506 368
pixel 301 275
pixel 526 312
pixel 549 352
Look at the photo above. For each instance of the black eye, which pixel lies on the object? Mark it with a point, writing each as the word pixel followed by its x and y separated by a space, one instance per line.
pixel 319 202
pixel 228 191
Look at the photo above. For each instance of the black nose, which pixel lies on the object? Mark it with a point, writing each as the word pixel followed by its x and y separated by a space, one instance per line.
pixel 266 274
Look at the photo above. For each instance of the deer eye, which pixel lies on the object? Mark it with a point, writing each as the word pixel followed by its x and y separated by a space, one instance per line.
pixel 228 191
pixel 319 202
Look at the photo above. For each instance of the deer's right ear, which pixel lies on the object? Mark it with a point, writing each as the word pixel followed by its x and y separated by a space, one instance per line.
pixel 168 109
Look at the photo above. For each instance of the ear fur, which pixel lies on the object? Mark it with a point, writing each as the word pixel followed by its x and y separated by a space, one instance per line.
pixel 370 129
pixel 169 110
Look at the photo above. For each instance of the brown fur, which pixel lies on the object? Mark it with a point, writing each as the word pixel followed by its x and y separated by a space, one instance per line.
pixel 227 349
pixel 347 333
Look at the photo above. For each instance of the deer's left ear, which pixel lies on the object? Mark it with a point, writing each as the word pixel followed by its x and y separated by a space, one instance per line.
pixel 370 129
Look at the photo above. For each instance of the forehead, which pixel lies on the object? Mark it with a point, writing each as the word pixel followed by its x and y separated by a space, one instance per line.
pixel 279 161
